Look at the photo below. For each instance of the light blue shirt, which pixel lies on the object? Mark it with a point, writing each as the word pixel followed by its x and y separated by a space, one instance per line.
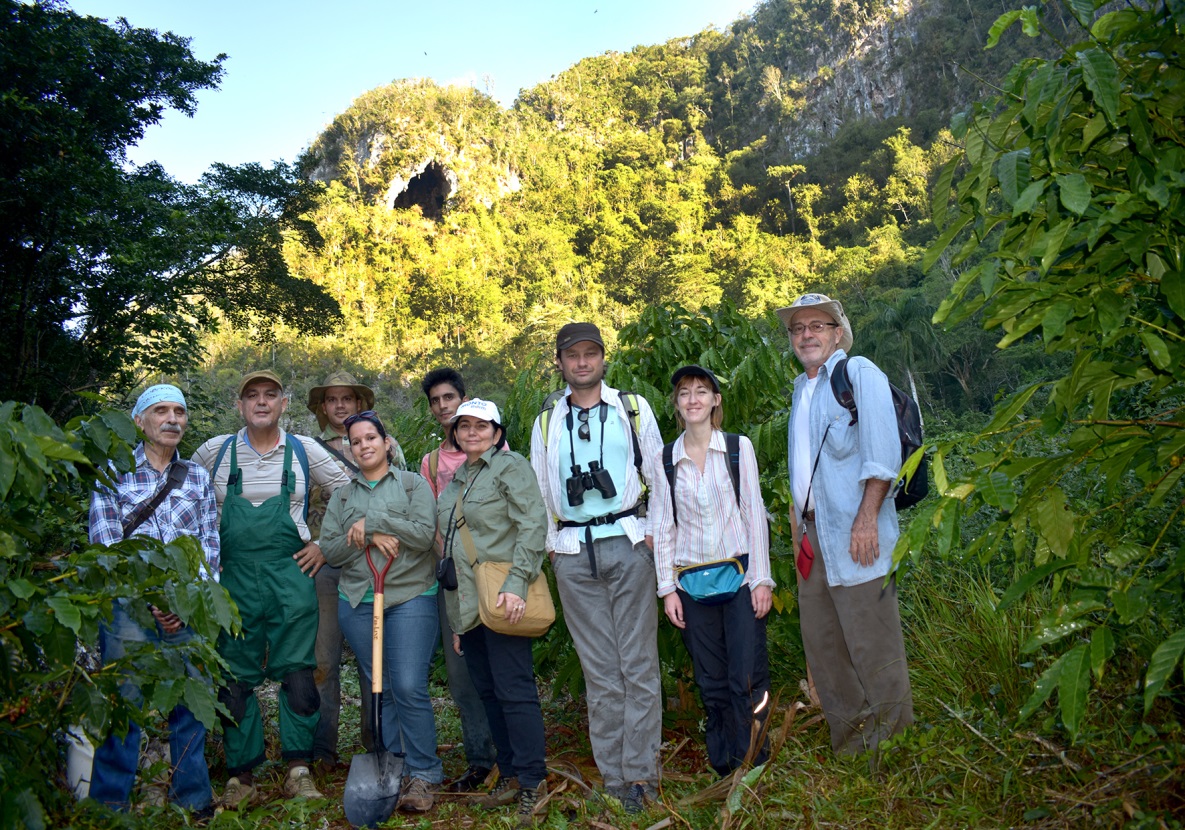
pixel 613 455
pixel 851 455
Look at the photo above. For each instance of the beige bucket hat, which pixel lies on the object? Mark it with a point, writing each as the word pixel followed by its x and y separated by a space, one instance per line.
pixel 317 394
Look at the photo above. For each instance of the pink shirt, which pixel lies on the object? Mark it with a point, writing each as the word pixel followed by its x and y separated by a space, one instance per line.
pixel 450 461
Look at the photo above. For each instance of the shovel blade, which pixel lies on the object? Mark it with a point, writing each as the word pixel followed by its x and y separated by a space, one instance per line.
pixel 372 788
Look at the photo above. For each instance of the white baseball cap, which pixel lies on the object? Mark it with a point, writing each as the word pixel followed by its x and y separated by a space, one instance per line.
pixel 480 409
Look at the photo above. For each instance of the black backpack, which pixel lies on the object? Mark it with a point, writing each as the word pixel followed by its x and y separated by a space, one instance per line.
pixel 909 429
pixel 732 443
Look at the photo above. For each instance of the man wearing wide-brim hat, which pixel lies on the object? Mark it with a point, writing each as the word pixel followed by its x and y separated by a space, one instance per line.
pixel 840 475
pixel 339 397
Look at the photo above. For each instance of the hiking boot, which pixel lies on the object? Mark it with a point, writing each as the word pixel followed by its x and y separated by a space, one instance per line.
pixel 528 803
pixel 503 795
pixel 299 784
pixel 470 779
pixel 635 798
pixel 237 795
pixel 416 798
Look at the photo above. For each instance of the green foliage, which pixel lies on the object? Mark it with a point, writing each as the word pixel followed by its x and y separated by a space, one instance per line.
pixel 108 273
pixel 1074 192
pixel 55 590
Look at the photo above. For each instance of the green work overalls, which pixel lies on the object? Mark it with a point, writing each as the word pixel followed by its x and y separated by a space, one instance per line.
pixel 278 605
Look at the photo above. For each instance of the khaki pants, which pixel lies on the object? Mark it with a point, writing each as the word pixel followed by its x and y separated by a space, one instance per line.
pixel 853 643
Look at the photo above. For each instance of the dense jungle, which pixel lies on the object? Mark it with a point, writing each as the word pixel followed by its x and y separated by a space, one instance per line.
pixel 994 193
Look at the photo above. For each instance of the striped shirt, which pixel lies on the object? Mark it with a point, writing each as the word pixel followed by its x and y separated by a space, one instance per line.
pixel 262 472
pixel 711 524
pixel 188 510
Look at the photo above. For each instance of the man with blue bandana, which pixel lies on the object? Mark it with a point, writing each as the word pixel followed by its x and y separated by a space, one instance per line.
pixel 187 509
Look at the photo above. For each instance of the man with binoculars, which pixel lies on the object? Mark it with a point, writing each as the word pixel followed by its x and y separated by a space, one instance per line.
pixel 591 460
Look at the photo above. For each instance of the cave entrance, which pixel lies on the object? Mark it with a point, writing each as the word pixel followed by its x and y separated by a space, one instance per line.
pixel 430 189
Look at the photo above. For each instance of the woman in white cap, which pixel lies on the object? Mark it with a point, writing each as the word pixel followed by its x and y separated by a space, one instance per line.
pixel 387 513
pixel 711 554
pixel 495 498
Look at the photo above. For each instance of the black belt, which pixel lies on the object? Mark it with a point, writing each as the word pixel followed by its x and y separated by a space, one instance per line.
pixel 808 516
pixel 607 519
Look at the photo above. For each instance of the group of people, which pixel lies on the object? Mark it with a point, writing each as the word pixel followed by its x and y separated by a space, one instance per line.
pixel 294 526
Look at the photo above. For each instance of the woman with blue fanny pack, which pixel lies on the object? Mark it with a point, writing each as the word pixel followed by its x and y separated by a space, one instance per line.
pixel 711 552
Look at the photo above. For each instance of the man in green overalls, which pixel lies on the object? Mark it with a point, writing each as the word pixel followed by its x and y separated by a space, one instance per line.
pixel 261 478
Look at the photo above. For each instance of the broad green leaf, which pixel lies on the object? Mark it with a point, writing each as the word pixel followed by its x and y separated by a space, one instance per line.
pixel 65 611
pixel 1166 485
pixel 1052 243
pixel 56 449
pixel 1005 414
pixel 1131 604
pixel 944 239
pixel 1044 687
pixel 1030 578
pixel 22 588
pixel 1029 21
pixel 1123 554
pixel 1111 309
pixel 1053 633
pixel 997 490
pixel 939 467
pixel 1074 191
pixel 1101 76
pixel 1158 350
pixel 1102 646
pixel 947 531
pixel 940 201
pixel 1083 11
pixel 1000 26
pixel 199 699
pixel 1160 667
pixel 1028 198
pixel 1073 687
pixel 1013 172
pixel 1056 522
pixel 7 468
pixel 1172 288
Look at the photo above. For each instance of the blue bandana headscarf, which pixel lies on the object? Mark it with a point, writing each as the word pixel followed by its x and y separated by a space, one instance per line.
pixel 156 394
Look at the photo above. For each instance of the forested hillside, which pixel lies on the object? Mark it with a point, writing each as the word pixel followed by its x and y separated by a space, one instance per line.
pixel 795 148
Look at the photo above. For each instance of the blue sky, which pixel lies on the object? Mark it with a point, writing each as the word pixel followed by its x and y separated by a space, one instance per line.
pixel 293 66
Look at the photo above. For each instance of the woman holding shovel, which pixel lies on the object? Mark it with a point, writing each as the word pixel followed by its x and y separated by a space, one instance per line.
pixel 388 515
pixel 492 516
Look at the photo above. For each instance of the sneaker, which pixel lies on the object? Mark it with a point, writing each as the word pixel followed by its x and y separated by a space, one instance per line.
pixel 503 795
pixel 416 798
pixel 299 784
pixel 237 795
pixel 635 798
pixel 528 803
pixel 470 779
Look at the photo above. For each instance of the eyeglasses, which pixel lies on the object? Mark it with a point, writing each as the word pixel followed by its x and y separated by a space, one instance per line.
pixel 583 432
pixel 368 415
pixel 815 328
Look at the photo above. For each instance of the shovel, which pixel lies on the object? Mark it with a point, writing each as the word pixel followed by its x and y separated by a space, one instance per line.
pixel 372 788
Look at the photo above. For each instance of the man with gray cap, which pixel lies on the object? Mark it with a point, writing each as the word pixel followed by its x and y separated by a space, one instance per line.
pixel 592 461
pixel 840 473
pixel 163 497
pixel 262 476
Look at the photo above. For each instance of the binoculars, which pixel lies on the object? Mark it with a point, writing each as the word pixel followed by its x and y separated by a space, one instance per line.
pixel 595 478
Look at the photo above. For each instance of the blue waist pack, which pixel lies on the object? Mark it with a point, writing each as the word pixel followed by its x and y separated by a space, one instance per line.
pixel 714 583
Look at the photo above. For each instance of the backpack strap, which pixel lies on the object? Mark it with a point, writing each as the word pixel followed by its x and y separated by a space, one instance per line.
pixel 433 469
pixel 174 477
pixel 303 457
pixel 668 466
pixel 732 443
pixel 218 462
pixel 634 417
pixel 841 387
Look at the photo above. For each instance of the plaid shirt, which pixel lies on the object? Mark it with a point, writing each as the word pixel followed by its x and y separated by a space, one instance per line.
pixel 188 510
